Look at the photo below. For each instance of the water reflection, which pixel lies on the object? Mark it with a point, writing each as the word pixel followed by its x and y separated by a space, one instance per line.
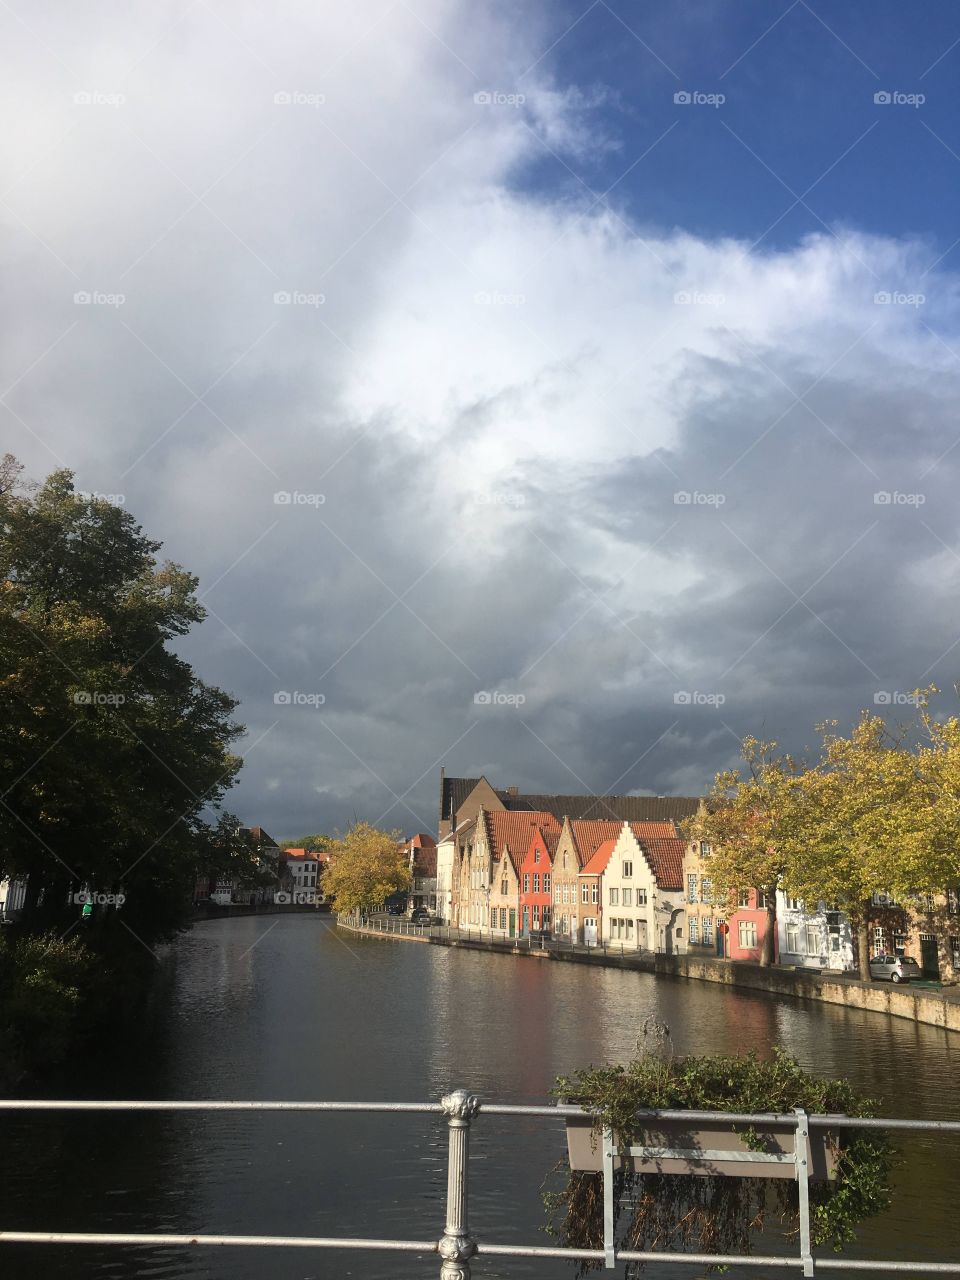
pixel 261 1008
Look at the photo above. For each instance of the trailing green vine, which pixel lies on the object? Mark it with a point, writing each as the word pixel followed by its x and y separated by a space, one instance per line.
pixel 717 1213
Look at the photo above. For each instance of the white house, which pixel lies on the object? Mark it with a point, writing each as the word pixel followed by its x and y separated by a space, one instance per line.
pixel 818 939
pixel 642 890
pixel 13 895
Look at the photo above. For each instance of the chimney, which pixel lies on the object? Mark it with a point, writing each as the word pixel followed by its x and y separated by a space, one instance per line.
pixel 513 791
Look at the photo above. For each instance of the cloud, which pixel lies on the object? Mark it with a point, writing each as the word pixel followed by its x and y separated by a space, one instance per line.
pixel 486 401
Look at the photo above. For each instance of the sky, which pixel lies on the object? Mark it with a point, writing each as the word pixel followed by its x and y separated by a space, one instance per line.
pixel 554 392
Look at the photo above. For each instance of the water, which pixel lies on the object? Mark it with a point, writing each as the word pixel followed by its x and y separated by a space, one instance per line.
pixel 267 1008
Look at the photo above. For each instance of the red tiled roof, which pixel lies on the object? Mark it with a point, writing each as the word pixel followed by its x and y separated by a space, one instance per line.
pixel 299 854
pixel 589 835
pixel 665 855
pixel 514 830
pixel 598 863
pixel 422 841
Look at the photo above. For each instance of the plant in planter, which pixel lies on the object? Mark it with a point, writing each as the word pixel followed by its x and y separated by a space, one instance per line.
pixel 708 1212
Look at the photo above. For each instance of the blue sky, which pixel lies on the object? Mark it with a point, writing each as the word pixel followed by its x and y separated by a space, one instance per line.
pixel 799 82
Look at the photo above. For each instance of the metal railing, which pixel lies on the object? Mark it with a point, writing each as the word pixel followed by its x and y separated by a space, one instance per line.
pixel 456 1247
pixel 496 940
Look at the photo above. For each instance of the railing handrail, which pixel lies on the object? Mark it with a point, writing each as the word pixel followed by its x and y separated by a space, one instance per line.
pixel 456 1246
pixel 559 1110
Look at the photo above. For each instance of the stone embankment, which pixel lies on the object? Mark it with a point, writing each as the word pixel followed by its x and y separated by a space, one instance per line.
pixel 923 1005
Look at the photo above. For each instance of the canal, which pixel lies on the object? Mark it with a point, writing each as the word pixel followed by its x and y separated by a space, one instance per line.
pixel 288 1008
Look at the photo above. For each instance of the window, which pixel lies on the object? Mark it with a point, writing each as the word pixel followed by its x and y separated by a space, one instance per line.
pixel 955 952
pixel 793 939
pixel 627 870
pixel 546 882
pixel 536 916
pixel 706 924
pixel 536 882
pixel 761 900
pixel 556 894
pixel 627 897
pixel 748 933
pixel 813 940
pixel 595 891
pixel 693 925
pixel 629 924
pixel 614 897
pixel 795 904
pixel 584 895
pixel 706 889
pixel 526 882
pixel 743 898
pixel 704 848
pixel 536 855
pixel 503 917
pixel 691 888
pixel 953 902
pixel 878 942
pixel 503 887
pixel 641 897
pixel 546 917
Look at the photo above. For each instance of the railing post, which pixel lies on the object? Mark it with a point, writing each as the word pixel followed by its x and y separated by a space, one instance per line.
pixel 456 1248
pixel 609 1214
pixel 803 1187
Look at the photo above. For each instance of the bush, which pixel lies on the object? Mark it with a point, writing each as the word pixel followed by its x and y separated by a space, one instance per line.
pixel 48 988
pixel 717 1214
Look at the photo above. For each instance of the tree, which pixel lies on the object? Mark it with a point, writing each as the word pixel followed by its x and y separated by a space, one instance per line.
pixel 750 823
pixel 366 866
pixel 112 751
pixel 313 844
pixel 879 814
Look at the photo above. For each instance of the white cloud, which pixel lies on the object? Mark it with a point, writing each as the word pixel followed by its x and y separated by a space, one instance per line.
pixel 499 396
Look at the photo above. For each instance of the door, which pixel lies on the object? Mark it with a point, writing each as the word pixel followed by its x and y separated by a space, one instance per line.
pixel 526 919
pixel 513 922
pixel 929 956
pixel 721 939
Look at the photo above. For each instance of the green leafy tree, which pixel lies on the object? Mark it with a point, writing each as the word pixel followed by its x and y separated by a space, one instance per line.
pixel 112 751
pixel 313 844
pixel 366 866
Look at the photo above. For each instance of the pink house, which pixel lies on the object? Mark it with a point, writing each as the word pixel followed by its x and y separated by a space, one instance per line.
pixel 747 927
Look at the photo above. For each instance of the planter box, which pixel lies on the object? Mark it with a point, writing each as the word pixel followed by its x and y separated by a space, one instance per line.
pixel 585 1149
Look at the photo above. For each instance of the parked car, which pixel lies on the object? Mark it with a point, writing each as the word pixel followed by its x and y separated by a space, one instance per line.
pixel 421 916
pixel 895 968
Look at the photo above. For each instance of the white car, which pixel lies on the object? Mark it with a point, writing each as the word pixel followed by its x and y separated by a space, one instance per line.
pixel 895 968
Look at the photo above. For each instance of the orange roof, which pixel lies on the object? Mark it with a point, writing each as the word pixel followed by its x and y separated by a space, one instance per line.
pixel 303 855
pixel 598 863
pixel 421 841
pixel 589 835
pixel 513 830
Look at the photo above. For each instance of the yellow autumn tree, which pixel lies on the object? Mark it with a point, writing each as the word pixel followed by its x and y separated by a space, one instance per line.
pixel 366 866
pixel 880 814
pixel 750 822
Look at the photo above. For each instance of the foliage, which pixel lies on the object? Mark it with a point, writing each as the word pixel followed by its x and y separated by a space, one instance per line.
pixel 318 843
pixel 713 1214
pixel 750 823
pixel 877 816
pixel 112 750
pixel 879 811
pixel 49 987
pixel 366 866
